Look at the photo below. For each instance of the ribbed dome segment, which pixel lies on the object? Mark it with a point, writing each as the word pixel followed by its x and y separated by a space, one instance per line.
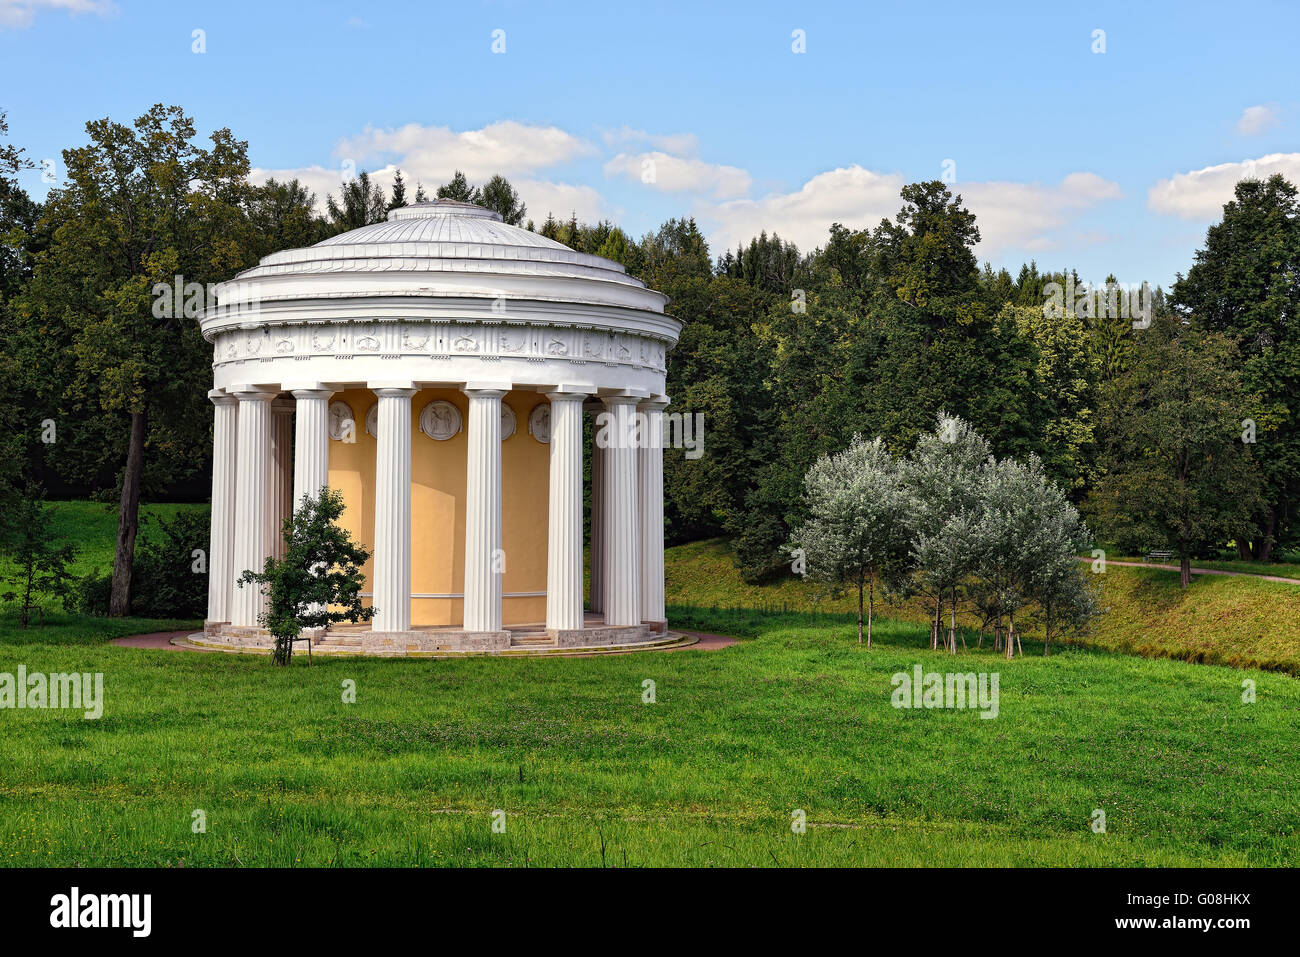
pixel 444 221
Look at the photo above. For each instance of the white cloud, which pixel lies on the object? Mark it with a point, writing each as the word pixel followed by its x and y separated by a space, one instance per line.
pixel 21 13
pixel 1256 119
pixel 854 196
pixel 678 144
pixel 674 174
pixel 1025 215
pixel 562 200
pixel 1200 194
pixel 434 153
pixel 1008 214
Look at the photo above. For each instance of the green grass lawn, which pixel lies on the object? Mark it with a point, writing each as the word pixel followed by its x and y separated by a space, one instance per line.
pixel 795 717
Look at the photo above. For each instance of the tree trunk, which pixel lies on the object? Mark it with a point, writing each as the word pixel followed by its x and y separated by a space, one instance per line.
pixel 859 608
pixel 1266 540
pixel 1185 569
pixel 952 624
pixel 1243 550
pixel 936 624
pixel 1011 640
pixel 128 518
pixel 871 607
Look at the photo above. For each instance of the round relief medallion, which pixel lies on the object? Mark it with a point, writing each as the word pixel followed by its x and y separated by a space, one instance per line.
pixel 440 420
pixel 342 425
pixel 372 420
pixel 539 422
pixel 508 421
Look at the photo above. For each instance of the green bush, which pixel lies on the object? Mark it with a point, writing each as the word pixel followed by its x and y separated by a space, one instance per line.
pixel 92 592
pixel 164 583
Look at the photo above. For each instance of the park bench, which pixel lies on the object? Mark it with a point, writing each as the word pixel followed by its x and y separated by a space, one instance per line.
pixel 1159 555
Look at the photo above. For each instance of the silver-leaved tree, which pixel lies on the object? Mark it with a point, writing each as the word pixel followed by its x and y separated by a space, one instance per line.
pixel 857 532
pixel 318 581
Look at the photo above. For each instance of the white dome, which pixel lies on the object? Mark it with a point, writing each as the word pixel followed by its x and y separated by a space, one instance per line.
pixel 436 283
pixel 443 236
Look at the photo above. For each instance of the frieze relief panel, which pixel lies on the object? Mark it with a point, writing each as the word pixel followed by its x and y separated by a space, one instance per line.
pixel 347 340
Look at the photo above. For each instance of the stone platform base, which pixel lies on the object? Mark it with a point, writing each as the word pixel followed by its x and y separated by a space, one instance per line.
pixel 447 642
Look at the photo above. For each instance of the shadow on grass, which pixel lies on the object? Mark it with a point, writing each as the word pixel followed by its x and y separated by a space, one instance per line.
pixel 748 623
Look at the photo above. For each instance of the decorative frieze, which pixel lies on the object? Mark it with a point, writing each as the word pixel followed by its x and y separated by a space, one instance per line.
pixel 438 340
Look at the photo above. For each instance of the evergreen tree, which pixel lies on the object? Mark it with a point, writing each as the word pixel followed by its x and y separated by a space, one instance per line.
pixel 318 582
pixel 399 191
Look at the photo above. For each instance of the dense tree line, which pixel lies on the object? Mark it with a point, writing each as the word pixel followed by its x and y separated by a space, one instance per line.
pixel 788 354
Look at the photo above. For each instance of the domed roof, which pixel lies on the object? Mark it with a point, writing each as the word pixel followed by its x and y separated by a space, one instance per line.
pixel 444 221
pixel 442 261
pixel 440 236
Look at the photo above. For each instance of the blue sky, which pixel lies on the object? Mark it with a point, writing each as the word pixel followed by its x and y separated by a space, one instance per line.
pixel 1106 162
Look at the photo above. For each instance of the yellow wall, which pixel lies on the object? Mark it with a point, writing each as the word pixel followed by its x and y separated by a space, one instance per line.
pixel 438 506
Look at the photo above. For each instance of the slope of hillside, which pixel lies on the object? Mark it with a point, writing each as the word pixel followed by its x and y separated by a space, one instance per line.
pixel 1241 621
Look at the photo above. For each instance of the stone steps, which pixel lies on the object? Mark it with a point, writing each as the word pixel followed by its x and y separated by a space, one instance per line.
pixel 531 639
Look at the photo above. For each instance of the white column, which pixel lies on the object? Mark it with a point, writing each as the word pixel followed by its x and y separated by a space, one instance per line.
pixel 280 491
pixel 252 515
pixel 597 599
pixel 392 585
pixel 650 488
pixel 620 521
pixel 311 463
pixel 483 510
pixel 221 543
pixel 564 514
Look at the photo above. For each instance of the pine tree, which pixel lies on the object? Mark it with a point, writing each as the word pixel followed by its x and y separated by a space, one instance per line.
pixel 399 191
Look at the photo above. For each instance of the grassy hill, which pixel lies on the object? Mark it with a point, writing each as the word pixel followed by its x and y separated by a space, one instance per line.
pixel 1246 622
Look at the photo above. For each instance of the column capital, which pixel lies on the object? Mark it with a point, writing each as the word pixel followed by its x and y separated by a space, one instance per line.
pixel 396 387
pixel 221 397
pixel 487 387
pixel 309 390
pixel 252 393
pixel 575 397
pixel 616 400
pixel 655 403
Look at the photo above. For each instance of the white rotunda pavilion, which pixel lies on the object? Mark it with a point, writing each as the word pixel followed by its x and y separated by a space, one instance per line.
pixel 435 368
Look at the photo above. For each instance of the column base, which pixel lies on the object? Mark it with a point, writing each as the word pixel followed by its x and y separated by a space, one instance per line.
pixel 404 642
pixel 601 635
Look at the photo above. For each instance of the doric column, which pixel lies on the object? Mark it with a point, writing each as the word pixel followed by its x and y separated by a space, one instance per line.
pixel 622 555
pixel 221 544
pixel 564 514
pixel 392 585
pixel 252 512
pixel 650 489
pixel 483 556
pixel 597 600
pixel 311 463
pixel 280 491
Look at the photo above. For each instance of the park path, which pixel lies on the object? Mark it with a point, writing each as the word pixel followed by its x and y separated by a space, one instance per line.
pixel 1200 571
pixel 157 640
